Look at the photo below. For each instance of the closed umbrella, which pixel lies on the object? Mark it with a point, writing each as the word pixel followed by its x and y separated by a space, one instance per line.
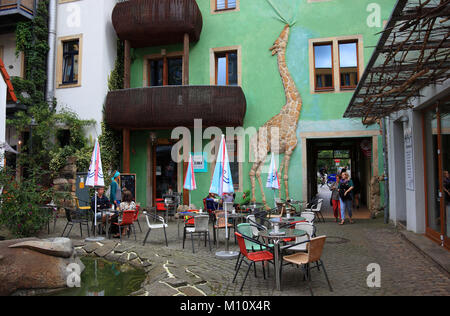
pixel 189 180
pixel 273 181
pixel 95 179
pixel 222 183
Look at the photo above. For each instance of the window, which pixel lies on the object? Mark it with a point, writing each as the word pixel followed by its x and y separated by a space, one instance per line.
pixel 227 68
pixel 70 62
pixel 336 63
pixel 225 4
pixel 166 71
pixel 348 64
pixel 323 66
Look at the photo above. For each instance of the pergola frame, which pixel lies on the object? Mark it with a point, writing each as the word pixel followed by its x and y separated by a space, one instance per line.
pixel 412 53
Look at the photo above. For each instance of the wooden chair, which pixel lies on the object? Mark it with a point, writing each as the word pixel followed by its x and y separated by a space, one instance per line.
pixel 313 255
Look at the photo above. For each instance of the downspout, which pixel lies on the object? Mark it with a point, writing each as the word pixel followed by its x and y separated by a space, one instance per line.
pixel 50 91
pixel 386 173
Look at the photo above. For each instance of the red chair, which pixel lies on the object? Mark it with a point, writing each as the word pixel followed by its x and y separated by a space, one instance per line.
pixel 252 257
pixel 127 221
pixel 136 217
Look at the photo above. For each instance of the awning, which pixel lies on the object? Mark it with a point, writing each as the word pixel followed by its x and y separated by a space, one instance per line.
pixel 412 54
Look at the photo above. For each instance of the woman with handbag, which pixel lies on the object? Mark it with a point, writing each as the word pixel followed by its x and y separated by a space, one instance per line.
pixel 345 197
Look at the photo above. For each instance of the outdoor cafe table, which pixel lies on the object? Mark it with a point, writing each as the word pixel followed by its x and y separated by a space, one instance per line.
pixel 108 212
pixel 276 239
pixel 286 220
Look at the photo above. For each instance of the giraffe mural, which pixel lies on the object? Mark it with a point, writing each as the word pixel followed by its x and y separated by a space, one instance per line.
pixel 278 135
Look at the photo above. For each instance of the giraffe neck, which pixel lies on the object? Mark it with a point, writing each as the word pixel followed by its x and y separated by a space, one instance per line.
pixel 293 98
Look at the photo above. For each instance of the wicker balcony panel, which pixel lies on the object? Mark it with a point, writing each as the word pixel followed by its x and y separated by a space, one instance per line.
pixel 172 106
pixel 157 22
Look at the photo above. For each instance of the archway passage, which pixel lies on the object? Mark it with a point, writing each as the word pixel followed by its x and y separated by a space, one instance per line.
pixel 330 157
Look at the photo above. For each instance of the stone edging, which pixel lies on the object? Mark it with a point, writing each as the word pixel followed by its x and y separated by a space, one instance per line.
pixel 163 278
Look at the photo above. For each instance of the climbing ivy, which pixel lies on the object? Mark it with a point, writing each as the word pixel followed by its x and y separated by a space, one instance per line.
pixel 111 140
pixel 42 150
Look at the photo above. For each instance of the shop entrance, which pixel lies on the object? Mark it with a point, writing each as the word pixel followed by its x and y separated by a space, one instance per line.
pixel 328 157
pixel 165 171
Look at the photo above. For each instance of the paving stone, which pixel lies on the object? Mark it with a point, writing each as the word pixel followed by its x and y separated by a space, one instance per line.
pixel 91 247
pixel 175 282
pixel 160 289
pixel 123 248
pixel 190 291
pixel 105 249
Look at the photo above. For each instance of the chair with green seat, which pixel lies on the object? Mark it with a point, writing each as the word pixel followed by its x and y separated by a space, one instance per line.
pixel 246 230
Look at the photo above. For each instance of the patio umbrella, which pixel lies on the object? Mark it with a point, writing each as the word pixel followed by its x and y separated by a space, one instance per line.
pixel 95 179
pixel 273 181
pixel 189 180
pixel 222 183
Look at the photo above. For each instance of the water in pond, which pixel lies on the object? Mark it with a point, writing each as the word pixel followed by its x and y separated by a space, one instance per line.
pixel 102 278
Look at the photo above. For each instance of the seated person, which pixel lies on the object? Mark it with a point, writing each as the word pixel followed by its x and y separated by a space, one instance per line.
pixel 102 204
pixel 127 204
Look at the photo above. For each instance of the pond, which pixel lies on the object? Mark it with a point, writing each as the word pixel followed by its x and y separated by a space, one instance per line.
pixel 103 278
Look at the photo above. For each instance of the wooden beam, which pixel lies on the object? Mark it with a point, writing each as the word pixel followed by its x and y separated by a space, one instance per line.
pixel 186 60
pixel 126 150
pixel 127 65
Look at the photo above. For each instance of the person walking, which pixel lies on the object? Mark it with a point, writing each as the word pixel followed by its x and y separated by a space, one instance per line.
pixel 116 193
pixel 345 197
pixel 335 199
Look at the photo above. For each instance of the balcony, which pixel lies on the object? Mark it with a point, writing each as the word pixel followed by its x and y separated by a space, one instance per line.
pixel 171 106
pixel 148 23
pixel 13 11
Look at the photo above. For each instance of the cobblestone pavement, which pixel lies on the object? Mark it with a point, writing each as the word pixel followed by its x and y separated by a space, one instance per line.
pixel 348 251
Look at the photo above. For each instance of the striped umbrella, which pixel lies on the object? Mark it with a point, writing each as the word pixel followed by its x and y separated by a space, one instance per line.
pixel 189 180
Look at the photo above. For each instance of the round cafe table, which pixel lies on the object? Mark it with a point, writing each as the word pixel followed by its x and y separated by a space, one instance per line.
pixel 276 239
pixel 285 220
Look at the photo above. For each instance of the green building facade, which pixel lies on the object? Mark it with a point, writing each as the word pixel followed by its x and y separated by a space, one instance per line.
pixel 250 30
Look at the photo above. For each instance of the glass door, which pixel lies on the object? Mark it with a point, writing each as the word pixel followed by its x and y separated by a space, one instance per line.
pixel 445 146
pixel 437 168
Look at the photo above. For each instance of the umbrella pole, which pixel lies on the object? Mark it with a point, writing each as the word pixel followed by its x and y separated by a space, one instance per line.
pixel 95 215
pixel 226 229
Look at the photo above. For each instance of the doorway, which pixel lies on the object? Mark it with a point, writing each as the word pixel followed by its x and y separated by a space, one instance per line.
pixel 165 171
pixel 331 156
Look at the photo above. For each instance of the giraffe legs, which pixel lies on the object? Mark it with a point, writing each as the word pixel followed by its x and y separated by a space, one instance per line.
pixel 258 175
pixel 287 159
pixel 280 172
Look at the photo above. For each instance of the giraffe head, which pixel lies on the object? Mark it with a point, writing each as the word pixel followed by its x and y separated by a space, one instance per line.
pixel 281 43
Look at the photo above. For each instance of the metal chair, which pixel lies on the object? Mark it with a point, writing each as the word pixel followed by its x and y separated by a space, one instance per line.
pixel 317 210
pixel 313 255
pixel 201 227
pixel 251 258
pixel 74 218
pixel 163 225
pixel 309 216
pixel 310 231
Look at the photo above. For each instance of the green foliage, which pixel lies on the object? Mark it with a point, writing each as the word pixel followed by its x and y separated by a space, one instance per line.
pixel 115 79
pixel 21 210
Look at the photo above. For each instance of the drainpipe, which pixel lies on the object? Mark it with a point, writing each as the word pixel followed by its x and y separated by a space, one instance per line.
pixel 386 173
pixel 50 91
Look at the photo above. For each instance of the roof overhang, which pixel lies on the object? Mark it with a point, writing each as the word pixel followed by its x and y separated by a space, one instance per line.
pixel 413 53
